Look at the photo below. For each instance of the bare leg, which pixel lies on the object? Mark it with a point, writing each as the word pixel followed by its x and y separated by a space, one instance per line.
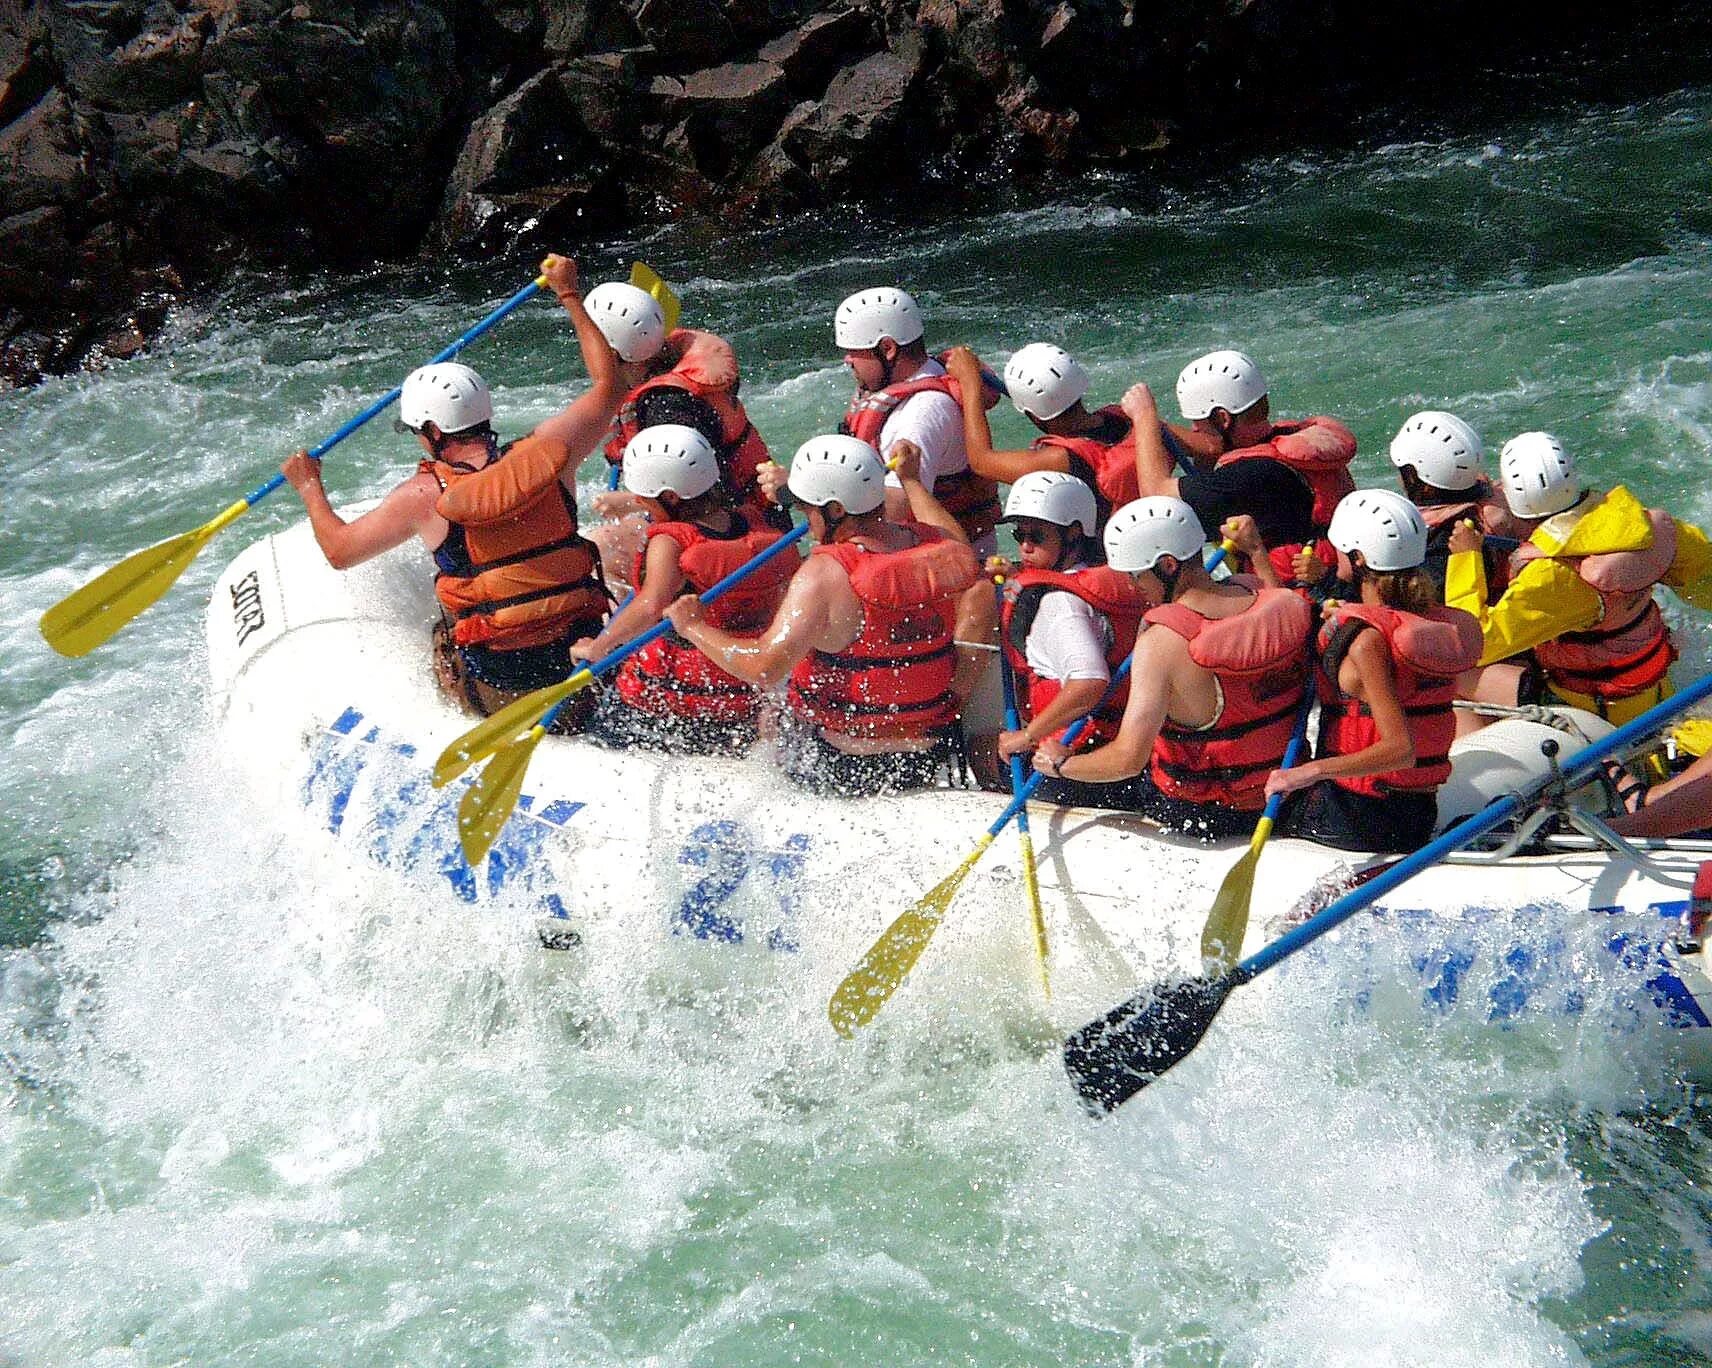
pixel 1499 684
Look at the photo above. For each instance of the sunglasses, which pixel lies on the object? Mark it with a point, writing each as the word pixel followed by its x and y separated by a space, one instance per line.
pixel 400 426
pixel 1036 532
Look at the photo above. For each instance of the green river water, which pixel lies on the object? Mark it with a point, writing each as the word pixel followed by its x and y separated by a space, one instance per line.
pixel 410 1137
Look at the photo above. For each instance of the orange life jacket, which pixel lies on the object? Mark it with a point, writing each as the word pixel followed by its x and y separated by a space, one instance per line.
pixel 513 571
pixel 1259 658
pixel 706 366
pixel 1110 465
pixel 1319 450
pixel 669 676
pixel 1485 506
pixel 1629 649
pixel 1109 593
pixel 1428 651
pixel 970 498
pixel 894 680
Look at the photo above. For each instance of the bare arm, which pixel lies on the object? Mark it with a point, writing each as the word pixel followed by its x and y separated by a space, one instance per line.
pixel 923 507
pixel 1676 806
pixel 1075 698
pixel 1366 673
pixel 1126 755
pixel 1152 461
pixel 662 581
pixel 796 628
pixel 583 424
pixel 1007 467
pixel 401 515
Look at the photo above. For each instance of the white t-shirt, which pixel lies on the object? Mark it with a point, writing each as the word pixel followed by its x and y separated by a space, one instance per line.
pixel 934 422
pixel 1068 639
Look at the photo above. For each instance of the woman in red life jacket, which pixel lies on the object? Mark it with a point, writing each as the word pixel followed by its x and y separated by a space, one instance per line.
pixel 864 633
pixel 669 694
pixel 1066 624
pixel 1387 675
pixel 1219 671
pixel 516 581
pixel 687 377
pixel 1440 460
pixel 1047 386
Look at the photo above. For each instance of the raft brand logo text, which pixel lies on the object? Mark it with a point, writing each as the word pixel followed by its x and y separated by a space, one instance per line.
pixel 247 606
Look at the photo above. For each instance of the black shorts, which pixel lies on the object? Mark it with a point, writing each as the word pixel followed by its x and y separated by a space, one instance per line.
pixel 533 667
pixel 616 724
pixel 1330 814
pixel 1205 822
pixel 810 762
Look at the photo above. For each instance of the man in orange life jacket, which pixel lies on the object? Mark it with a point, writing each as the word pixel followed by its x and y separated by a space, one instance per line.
pixel 1388 666
pixel 904 395
pixel 1219 671
pixel 1580 595
pixel 1276 496
pixel 864 632
pixel 688 377
pixel 669 694
pixel 1047 386
pixel 516 583
pixel 1066 625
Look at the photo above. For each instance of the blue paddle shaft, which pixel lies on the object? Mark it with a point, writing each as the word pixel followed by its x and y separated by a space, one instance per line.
pixel 386 400
pixel 616 658
pixel 1012 723
pixel 1468 831
pixel 1293 752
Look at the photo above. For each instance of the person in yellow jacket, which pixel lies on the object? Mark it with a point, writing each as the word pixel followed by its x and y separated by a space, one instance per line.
pixel 1580 596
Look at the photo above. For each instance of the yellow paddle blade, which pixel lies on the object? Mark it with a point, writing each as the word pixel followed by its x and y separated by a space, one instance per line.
pixel 1031 883
pixel 643 277
pixel 889 959
pixel 1227 923
pixel 488 805
pixel 81 621
pixel 503 727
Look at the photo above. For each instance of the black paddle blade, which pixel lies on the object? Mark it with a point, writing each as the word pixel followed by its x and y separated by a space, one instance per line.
pixel 1114 1058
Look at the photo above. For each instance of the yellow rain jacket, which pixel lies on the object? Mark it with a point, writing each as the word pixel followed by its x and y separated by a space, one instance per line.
pixel 1548 596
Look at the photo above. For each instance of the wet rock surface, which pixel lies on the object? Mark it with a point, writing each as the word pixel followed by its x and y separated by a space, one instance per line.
pixel 149 147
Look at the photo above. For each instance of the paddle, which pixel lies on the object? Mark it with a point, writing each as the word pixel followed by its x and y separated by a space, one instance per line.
pixel 1227 923
pixel 81 621
pixel 644 278
pixel 1113 1058
pixel 1030 880
pixel 881 971
pixel 511 735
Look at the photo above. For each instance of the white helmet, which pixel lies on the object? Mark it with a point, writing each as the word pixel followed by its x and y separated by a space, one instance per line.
pixel 1222 379
pixel 1044 380
pixel 1139 533
pixel 1385 527
pixel 868 315
pixel 629 318
pixel 1538 475
pixel 448 394
pixel 669 456
pixel 1052 497
pixel 1445 451
pixel 838 467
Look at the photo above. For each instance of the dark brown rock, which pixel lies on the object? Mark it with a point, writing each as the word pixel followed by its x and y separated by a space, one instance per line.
pixel 726 112
pixel 864 107
pixel 696 31
pixel 812 51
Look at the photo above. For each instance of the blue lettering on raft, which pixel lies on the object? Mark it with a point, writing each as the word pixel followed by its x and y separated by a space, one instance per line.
pixel 728 854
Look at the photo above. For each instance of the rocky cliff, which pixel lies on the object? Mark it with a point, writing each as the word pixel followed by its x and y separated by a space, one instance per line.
pixel 150 146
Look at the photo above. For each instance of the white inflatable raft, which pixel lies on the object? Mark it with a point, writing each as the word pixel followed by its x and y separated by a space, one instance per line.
pixel 323 684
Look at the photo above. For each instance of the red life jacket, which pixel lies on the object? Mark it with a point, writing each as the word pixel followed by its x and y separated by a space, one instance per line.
pixel 1629 649
pixel 1112 465
pixel 1428 651
pixel 706 366
pixel 970 498
pixel 1259 658
pixel 1485 506
pixel 894 680
pixel 1109 593
pixel 1317 449
pixel 669 676
pixel 513 570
